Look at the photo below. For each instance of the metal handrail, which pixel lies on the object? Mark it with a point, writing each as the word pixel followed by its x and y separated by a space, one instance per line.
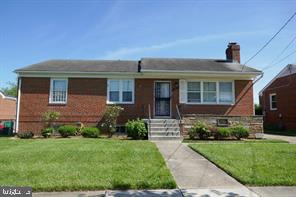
pixel 149 112
pixel 178 113
pixel 149 120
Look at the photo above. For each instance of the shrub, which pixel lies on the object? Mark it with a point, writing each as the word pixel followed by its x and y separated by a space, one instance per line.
pixel 136 129
pixel 47 132
pixel 91 132
pixel 26 135
pixel 199 129
pixel 110 118
pixel 67 130
pixel 239 132
pixel 50 117
pixel 223 132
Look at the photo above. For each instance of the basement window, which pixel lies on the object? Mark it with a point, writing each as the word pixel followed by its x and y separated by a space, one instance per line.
pixel 222 122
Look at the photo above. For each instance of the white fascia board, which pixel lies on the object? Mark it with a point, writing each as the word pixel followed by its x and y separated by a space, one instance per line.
pixel 7 97
pixel 145 74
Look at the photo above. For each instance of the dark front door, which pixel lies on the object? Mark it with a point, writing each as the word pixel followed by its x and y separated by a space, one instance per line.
pixel 162 99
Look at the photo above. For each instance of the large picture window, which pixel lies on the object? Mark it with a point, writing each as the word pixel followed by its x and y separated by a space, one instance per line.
pixel 120 91
pixel 210 92
pixel 58 91
pixel 225 92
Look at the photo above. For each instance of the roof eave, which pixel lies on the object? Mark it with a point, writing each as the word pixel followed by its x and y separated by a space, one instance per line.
pixel 202 72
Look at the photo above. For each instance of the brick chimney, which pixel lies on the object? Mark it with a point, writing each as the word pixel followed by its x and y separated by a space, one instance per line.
pixel 233 52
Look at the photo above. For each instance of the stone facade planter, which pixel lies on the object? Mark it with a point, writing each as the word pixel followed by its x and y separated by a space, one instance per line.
pixel 254 123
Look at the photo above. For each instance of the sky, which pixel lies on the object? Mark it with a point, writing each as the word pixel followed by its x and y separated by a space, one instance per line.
pixel 32 31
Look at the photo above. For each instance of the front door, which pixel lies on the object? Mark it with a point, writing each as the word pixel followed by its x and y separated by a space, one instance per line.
pixel 162 99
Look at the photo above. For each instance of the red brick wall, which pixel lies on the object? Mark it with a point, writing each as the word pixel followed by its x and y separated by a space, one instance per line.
pixel 87 101
pixel 7 108
pixel 285 89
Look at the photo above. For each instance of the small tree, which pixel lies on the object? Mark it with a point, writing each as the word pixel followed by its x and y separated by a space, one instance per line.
pixel 50 117
pixel 110 118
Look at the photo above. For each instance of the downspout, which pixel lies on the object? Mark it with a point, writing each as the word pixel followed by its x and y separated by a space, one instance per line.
pixel 19 84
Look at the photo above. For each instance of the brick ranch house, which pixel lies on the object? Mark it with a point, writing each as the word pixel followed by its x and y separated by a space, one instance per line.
pixel 163 90
pixel 278 100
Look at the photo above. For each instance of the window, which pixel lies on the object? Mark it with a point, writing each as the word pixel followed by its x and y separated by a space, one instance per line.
pixel 272 98
pixel 120 91
pixel 114 91
pixel 127 91
pixel 193 92
pixel 209 92
pixel 58 91
pixel 225 92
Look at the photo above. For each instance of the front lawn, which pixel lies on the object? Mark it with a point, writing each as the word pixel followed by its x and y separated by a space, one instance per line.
pixel 82 164
pixel 259 164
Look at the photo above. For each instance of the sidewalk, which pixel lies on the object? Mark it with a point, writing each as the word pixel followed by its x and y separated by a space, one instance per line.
pixel 290 139
pixel 195 175
pixel 234 192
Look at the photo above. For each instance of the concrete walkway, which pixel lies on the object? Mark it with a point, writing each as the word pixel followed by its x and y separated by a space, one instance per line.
pixel 290 139
pixel 233 192
pixel 196 175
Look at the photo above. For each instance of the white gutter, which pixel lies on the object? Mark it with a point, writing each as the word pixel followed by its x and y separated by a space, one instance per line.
pixel 202 72
pixel 18 105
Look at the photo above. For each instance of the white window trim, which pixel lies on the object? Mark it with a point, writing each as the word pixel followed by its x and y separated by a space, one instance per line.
pixel 51 89
pixel 120 91
pixel 217 93
pixel 270 101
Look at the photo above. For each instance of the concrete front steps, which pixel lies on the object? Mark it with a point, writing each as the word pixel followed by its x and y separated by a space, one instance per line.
pixel 164 129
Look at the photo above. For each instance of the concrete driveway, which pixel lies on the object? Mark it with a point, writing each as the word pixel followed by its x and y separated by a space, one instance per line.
pixel 290 139
pixel 196 175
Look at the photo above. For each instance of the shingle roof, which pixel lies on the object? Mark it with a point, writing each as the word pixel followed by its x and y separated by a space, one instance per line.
pixel 83 66
pixel 290 69
pixel 147 64
pixel 181 64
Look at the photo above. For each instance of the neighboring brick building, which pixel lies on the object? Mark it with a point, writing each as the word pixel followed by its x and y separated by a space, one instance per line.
pixel 81 89
pixel 278 100
pixel 7 107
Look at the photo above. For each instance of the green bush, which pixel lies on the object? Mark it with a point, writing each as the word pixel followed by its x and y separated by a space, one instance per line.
pixel 201 130
pixel 26 135
pixel 49 118
pixel 136 129
pixel 67 130
pixel 223 132
pixel 239 132
pixel 47 132
pixel 110 118
pixel 91 132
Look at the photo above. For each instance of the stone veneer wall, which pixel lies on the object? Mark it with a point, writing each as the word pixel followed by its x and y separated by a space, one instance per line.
pixel 254 123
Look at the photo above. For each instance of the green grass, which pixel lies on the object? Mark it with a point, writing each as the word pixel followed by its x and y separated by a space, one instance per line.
pixel 260 164
pixel 82 164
